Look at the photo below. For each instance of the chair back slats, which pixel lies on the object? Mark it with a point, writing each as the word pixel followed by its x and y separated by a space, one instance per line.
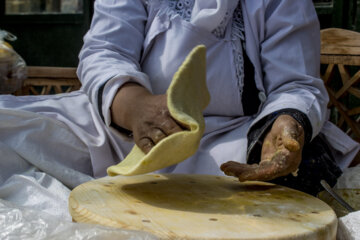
pixel 49 80
pixel 340 58
pixel 348 83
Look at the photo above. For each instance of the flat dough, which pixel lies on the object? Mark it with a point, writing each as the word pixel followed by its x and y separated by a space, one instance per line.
pixel 187 97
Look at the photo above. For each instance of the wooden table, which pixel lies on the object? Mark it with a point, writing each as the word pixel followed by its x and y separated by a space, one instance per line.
pixel 202 207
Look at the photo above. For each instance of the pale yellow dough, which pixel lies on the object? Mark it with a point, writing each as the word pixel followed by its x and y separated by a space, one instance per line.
pixel 187 97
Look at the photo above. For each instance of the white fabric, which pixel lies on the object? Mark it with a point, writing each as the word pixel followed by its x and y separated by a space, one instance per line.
pixel 287 44
pixel 59 129
pixel 289 80
pixel 344 148
pixel 34 204
pixel 349 227
pixel 38 191
pixel 40 159
pixel 151 53
pixel 207 14
pixel 22 184
pixel 44 143
pixel 350 179
pixel 49 144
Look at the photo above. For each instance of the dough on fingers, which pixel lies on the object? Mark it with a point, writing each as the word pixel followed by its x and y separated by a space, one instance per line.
pixel 187 97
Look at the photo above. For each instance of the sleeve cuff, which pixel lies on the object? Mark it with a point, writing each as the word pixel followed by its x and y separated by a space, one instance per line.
pixel 106 94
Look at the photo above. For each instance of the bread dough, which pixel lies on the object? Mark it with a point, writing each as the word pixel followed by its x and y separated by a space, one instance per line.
pixel 187 97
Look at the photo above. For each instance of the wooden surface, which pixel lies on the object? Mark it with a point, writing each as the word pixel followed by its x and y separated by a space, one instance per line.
pixel 340 54
pixel 340 42
pixel 49 80
pixel 202 207
pixel 51 72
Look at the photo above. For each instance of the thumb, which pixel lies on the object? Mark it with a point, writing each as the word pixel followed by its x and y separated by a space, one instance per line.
pixel 291 144
pixel 289 141
pixel 290 131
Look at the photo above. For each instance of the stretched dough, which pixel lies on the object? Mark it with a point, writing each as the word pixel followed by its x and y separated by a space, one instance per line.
pixel 187 97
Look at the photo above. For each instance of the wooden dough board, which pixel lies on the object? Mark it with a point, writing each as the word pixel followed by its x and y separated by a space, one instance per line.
pixel 176 206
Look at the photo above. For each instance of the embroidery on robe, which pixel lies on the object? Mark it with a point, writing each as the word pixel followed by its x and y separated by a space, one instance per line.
pixel 238 44
pixel 219 32
pixel 182 8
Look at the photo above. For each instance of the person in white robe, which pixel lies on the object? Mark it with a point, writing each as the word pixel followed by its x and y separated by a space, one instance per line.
pixel 262 74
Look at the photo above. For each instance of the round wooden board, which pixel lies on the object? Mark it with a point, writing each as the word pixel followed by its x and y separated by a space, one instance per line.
pixel 176 206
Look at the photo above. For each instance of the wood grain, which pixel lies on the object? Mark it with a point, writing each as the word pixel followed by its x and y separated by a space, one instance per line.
pixel 337 41
pixel 51 72
pixel 49 80
pixel 175 206
pixel 340 53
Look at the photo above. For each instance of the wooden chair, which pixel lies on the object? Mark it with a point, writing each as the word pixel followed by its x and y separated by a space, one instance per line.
pixel 340 55
pixel 49 80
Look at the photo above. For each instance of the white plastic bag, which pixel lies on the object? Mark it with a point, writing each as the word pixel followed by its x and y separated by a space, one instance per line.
pixel 12 66
pixel 27 224
pixel 349 225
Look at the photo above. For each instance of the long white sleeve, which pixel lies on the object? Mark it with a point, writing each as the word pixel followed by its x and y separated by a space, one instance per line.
pixel 112 49
pixel 289 40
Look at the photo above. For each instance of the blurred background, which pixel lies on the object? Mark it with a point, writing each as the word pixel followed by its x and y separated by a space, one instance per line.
pixel 50 32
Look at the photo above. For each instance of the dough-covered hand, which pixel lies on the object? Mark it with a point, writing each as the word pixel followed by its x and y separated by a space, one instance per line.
pixel 280 155
pixel 145 114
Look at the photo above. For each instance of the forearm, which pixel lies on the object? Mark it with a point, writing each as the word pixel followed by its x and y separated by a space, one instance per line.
pixel 292 80
pixel 146 115
pixel 125 104
pixel 108 56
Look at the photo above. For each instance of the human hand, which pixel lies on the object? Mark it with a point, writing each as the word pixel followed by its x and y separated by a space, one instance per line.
pixel 280 155
pixel 145 114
